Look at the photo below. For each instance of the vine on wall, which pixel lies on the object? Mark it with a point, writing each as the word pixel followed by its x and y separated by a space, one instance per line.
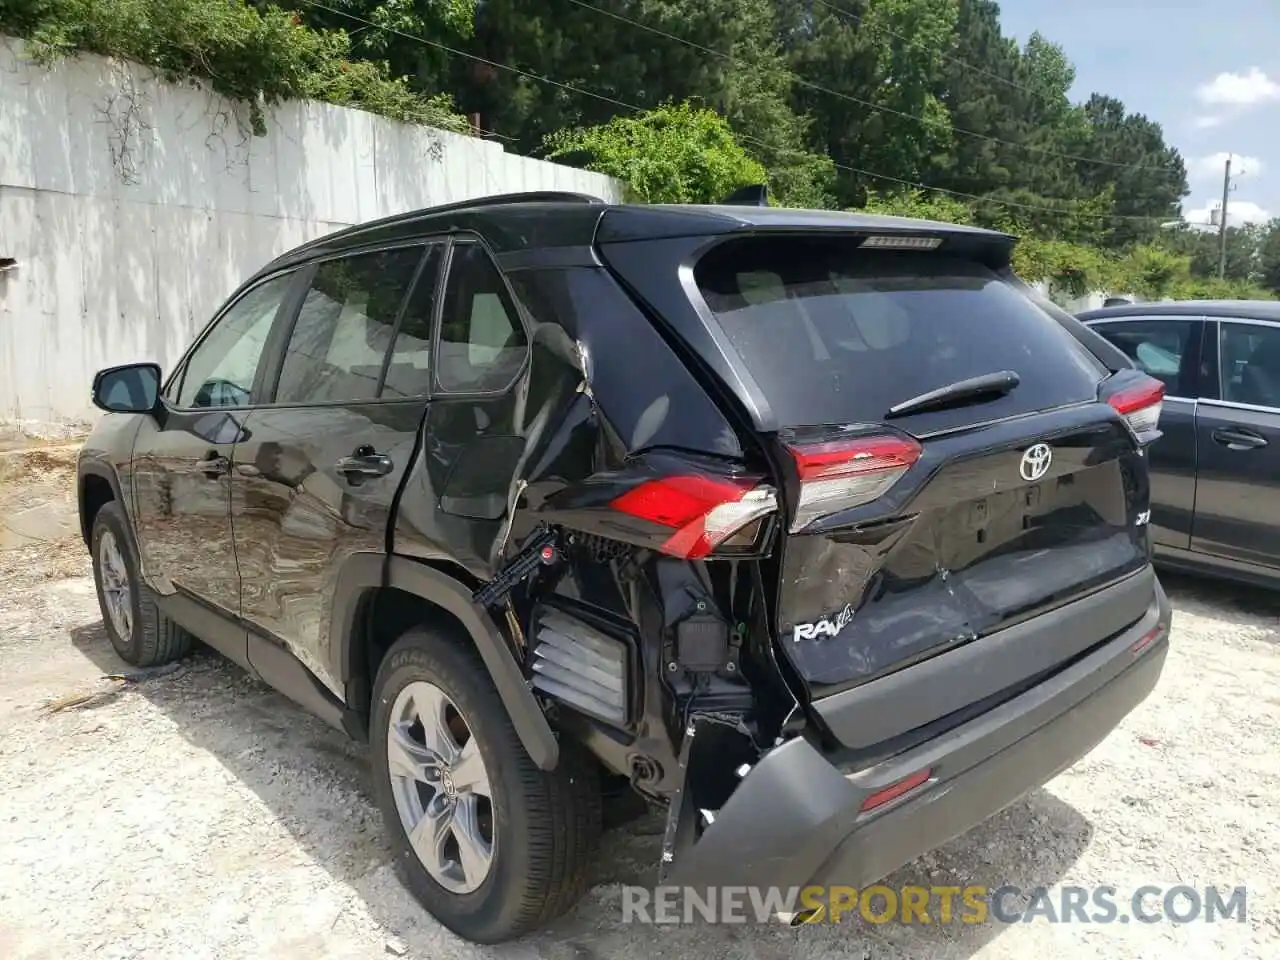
pixel 123 112
pixel 260 57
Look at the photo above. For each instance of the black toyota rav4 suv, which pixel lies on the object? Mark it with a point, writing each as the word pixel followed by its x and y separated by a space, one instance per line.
pixel 816 530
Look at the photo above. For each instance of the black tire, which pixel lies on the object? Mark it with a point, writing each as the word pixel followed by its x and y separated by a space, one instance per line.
pixel 547 826
pixel 154 639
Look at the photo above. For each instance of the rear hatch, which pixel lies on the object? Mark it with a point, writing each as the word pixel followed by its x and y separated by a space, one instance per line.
pixel 946 461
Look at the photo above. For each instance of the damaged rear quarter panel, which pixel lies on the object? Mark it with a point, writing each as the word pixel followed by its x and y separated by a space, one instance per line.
pixel 601 385
pixel 602 396
pixel 627 393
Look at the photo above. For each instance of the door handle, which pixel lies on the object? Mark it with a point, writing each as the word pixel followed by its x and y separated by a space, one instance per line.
pixel 366 465
pixel 214 464
pixel 1239 439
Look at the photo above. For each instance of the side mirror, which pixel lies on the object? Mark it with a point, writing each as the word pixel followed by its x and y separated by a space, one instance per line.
pixel 131 388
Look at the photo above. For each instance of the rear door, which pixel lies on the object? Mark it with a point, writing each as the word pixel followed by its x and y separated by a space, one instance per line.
pixel 1238 432
pixel 1169 349
pixel 914 526
pixel 473 438
pixel 315 476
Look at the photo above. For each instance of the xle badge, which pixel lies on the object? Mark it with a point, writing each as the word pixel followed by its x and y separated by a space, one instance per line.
pixel 827 627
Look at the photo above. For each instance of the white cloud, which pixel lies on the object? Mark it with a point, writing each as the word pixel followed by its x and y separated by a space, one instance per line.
pixel 1239 212
pixel 1239 89
pixel 1207 121
pixel 1214 165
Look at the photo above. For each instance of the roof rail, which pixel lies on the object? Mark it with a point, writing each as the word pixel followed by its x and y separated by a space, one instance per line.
pixel 534 196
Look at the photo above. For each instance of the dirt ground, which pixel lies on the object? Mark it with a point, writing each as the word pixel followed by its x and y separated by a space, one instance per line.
pixel 200 815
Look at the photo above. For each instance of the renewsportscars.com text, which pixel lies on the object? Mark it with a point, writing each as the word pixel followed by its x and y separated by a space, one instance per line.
pixel 935 905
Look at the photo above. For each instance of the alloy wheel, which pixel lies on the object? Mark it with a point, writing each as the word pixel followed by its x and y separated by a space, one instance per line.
pixel 117 591
pixel 441 787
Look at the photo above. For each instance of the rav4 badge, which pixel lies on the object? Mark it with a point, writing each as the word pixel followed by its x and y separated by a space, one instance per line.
pixel 826 627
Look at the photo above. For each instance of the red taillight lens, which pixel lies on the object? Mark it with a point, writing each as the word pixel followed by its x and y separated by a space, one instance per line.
pixel 840 474
pixel 896 790
pixel 1140 405
pixel 702 511
pixel 1146 640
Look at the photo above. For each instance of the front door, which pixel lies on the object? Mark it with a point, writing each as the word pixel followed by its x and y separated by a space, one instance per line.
pixel 1238 489
pixel 315 479
pixel 182 456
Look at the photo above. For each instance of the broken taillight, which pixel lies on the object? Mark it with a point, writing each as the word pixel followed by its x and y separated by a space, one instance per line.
pixel 1140 405
pixel 703 512
pixel 839 474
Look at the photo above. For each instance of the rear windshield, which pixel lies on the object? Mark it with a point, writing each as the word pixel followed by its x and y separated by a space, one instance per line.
pixel 833 334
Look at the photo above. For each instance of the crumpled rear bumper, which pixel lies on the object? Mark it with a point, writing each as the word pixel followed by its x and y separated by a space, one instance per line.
pixel 798 820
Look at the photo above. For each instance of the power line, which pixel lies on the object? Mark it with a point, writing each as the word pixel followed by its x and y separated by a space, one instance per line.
pixel 1039 208
pixel 469 56
pixel 634 108
pixel 923 121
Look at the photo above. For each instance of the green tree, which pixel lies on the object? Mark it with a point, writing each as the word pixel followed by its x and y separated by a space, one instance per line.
pixel 978 87
pixel 865 70
pixel 606 56
pixel 1052 152
pixel 1245 250
pixel 676 153
pixel 756 100
pixel 920 205
pixel 1153 271
pixel 1269 257
pixel 1153 181
pixel 387 31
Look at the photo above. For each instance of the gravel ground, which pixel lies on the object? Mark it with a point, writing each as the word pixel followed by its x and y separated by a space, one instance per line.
pixel 200 815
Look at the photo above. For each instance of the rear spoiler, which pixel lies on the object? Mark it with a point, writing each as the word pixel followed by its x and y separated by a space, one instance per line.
pixel 755 195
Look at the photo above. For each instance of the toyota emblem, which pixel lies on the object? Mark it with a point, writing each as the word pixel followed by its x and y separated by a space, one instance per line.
pixel 1035 462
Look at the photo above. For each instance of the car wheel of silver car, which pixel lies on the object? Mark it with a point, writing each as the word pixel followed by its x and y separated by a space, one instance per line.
pixel 138 631
pixel 491 845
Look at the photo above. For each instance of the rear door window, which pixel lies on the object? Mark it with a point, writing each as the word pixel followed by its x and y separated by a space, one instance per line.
pixel 482 342
pixel 833 334
pixel 1250 363
pixel 1158 346
pixel 408 371
pixel 344 327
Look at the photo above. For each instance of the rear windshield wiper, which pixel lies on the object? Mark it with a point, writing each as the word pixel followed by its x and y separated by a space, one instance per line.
pixel 957 394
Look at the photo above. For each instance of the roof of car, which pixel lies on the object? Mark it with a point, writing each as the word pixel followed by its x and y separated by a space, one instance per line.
pixel 511 223
pixel 1243 309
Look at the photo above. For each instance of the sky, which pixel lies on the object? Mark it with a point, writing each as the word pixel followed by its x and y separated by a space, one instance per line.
pixel 1207 71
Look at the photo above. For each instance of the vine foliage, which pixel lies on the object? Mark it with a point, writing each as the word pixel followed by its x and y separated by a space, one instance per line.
pixel 254 53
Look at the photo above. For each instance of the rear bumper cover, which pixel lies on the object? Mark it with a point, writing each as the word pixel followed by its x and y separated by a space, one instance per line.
pixel 797 820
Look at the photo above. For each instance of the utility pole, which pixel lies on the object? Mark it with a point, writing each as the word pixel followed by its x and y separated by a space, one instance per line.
pixel 1222 222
